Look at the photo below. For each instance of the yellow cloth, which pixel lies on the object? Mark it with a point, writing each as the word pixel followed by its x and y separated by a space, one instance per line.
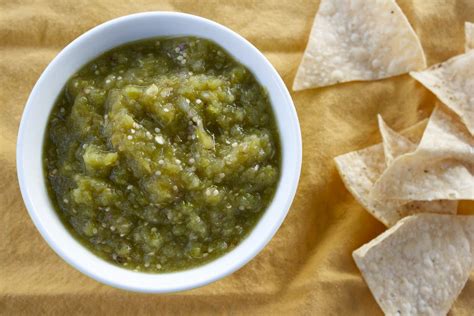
pixel 307 268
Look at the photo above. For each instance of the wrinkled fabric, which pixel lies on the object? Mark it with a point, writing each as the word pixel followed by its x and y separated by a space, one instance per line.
pixel 307 268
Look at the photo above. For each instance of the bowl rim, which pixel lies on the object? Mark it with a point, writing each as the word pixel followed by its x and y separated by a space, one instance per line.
pixel 192 283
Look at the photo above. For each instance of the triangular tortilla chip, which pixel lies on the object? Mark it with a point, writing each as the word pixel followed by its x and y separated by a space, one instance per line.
pixel 442 167
pixel 394 144
pixel 358 40
pixel 417 267
pixel 453 83
pixel 469 33
pixel 359 171
pixel 445 134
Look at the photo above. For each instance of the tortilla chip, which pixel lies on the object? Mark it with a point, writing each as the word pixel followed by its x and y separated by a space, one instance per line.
pixel 415 132
pixel 469 32
pixel 446 134
pixel 358 40
pixel 394 144
pixel 417 267
pixel 359 171
pixel 467 222
pixel 453 83
pixel 442 167
pixel 423 179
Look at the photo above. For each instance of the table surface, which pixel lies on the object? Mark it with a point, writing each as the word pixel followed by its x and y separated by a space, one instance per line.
pixel 307 268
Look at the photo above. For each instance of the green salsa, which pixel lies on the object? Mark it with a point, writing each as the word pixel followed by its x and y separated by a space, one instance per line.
pixel 162 154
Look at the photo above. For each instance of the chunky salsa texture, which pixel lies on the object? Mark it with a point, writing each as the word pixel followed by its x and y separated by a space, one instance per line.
pixel 162 154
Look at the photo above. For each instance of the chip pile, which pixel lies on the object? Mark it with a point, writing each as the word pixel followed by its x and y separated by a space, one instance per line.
pixel 413 180
pixel 412 183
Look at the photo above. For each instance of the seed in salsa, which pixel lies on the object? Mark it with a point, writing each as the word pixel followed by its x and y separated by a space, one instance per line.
pixel 162 154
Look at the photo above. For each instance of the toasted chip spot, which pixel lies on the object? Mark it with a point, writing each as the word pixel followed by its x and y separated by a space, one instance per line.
pixel 358 40
pixel 419 266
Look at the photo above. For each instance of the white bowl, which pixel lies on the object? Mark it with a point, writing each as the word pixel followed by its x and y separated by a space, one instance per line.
pixel 32 132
